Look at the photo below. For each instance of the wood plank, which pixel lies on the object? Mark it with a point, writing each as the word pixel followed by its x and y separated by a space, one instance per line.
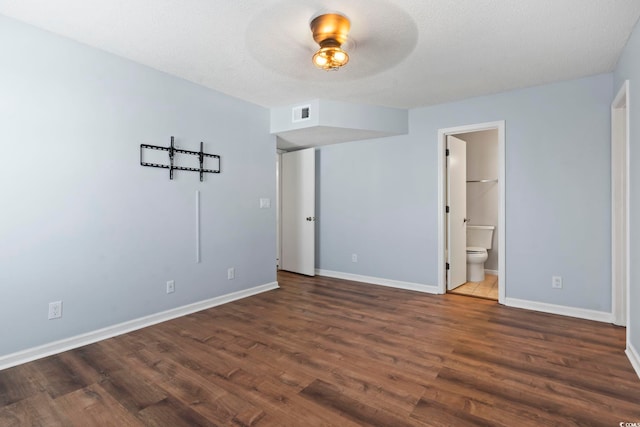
pixel 17 383
pixel 59 376
pixel 171 412
pixel 131 390
pixel 94 406
pixel 36 410
pixel 330 396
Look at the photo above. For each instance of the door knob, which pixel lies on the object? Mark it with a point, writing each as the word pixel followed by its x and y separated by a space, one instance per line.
pixel 466 220
pixel 311 218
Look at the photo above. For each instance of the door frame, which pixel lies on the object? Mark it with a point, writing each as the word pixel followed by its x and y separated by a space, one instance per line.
pixel 278 208
pixel 620 197
pixel 442 191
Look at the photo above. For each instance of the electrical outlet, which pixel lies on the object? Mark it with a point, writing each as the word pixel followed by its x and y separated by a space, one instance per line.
pixel 556 282
pixel 171 286
pixel 354 257
pixel 55 310
pixel 231 273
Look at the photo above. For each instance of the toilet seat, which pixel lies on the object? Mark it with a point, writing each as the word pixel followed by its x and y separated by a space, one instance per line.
pixel 476 250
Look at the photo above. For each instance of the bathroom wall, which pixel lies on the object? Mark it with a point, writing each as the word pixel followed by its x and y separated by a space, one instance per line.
pixel 483 197
pixel 83 222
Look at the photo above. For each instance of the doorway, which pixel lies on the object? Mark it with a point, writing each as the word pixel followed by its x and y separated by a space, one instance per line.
pixel 296 211
pixel 453 266
pixel 620 262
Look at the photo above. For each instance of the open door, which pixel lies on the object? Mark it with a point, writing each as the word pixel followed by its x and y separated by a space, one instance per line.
pixel 298 211
pixel 457 212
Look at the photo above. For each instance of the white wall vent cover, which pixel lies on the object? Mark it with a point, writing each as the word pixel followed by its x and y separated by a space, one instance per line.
pixel 301 113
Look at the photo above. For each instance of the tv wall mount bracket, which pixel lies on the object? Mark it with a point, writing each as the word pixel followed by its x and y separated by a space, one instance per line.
pixel 172 152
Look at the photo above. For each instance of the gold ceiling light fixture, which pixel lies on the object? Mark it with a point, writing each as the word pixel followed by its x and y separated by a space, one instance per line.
pixel 330 32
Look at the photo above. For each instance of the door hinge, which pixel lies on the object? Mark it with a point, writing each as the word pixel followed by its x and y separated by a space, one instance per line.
pixel 446 153
pixel 447 209
pixel 447 266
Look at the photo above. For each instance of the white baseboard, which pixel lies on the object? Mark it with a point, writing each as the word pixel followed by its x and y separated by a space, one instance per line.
pixel 494 272
pixel 634 357
pixel 55 347
pixel 581 313
pixel 430 289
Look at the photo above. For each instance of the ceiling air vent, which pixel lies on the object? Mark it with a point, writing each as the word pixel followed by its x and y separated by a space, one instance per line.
pixel 301 113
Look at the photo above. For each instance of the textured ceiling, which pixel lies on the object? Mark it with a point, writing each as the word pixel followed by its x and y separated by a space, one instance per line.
pixel 404 53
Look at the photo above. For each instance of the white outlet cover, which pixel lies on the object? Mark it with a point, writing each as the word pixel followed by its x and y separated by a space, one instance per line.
pixel 55 310
pixel 171 286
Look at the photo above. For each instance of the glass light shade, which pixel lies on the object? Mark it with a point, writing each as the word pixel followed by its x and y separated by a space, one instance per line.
pixel 330 58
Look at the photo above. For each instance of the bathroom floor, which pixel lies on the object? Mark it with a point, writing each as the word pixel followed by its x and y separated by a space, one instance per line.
pixel 488 288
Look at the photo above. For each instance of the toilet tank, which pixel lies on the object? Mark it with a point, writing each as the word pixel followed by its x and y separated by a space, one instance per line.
pixel 480 236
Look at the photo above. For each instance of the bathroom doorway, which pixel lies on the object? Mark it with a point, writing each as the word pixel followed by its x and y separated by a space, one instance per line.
pixel 471 206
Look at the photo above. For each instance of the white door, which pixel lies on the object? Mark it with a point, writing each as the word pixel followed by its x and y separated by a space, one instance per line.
pixel 298 211
pixel 456 218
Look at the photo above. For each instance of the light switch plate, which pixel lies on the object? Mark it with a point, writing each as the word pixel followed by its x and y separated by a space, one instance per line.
pixel 265 203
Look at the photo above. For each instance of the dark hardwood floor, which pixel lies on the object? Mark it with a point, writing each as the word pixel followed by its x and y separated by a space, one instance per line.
pixel 328 352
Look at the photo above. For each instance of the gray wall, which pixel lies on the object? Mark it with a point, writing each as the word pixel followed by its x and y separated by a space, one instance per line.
pixel 629 69
pixel 83 222
pixel 379 198
pixel 483 198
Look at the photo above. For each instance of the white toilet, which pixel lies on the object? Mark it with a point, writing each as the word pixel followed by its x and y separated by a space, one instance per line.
pixel 479 239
